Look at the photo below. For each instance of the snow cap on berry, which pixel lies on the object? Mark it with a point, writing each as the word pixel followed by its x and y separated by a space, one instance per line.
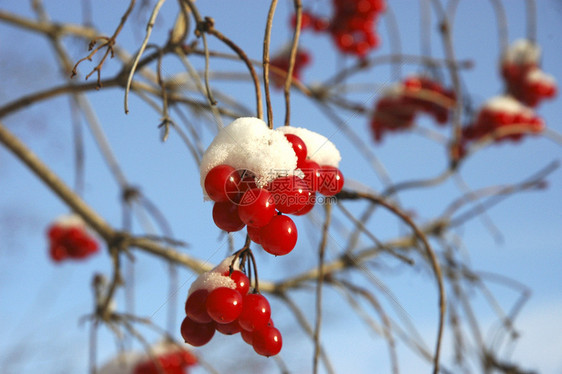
pixel 320 149
pixel 522 52
pixel 215 278
pixel 225 265
pixel 507 104
pixel 164 346
pixel 538 76
pixel 124 362
pixel 393 91
pixel 247 143
pixel 69 220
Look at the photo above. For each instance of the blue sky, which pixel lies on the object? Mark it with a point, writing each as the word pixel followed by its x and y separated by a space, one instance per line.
pixel 42 303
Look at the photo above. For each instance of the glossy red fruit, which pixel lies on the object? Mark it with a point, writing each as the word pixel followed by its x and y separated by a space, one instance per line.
pixel 221 183
pixel 279 236
pixel 256 312
pixel 308 207
pixel 298 146
pixel 241 280
pixel 247 182
pixel 173 362
pixel 225 216
pixel 330 181
pixel 310 171
pixel 224 304
pixel 246 336
pixel 256 208
pixel 254 234
pixel 195 306
pixel 290 194
pixel 197 334
pixel 267 341
pixel 71 241
pixel 228 328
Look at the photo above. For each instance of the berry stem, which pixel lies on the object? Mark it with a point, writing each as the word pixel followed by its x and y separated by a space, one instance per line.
pixel 255 269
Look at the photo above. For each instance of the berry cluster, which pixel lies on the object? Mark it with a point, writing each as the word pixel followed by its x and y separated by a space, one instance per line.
pixel 174 361
pixel 398 107
pixel 504 118
pixel 69 238
pixel 280 66
pixel 352 26
pixel 239 202
pixel 523 77
pixel 220 300
pixel 261 200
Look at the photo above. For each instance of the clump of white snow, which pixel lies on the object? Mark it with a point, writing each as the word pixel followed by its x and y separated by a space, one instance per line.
pixel 507 104
pixel 522 52
pixel 247 143
pixel 320 149
pixel 70 220
pixel 225 265
pixel 539 76
pixel 124 362
pixel 215 278
pixel 394 91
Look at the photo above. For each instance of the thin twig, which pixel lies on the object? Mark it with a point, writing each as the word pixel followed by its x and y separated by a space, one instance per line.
pixel 149 27
pixel 199 31
pixel 319 283
pixel 430 254
pixel 266 41
pixel 292 58
pixel 240 52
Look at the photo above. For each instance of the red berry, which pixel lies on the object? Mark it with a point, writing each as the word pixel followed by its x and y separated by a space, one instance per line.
pixel 267 341
pixel 279 236
pixel 246 336
pixel 58 252
pixel 310 170
pixel 308 207
pixel 256 312
pixel 70 242
pixel 254 234
pixel 225 216
pixel 55 232
pixel 290 194
pixel 256 208
pixel 188 358
pixel 228 328
pixel 330 180
pixel 197 334
pixel 247 182
pixel 298 146
pixel 224 304
pixel 221 183
pixel 195 306
pixel 241 280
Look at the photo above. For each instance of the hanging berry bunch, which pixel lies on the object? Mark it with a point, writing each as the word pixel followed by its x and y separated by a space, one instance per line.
pixel 503 114
pixel 69 238
pixel 221 300
pixel 524 79
pixel 171 359
pixel 257 176
pixel 280 65
pixel 399 105
pixel 352 25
